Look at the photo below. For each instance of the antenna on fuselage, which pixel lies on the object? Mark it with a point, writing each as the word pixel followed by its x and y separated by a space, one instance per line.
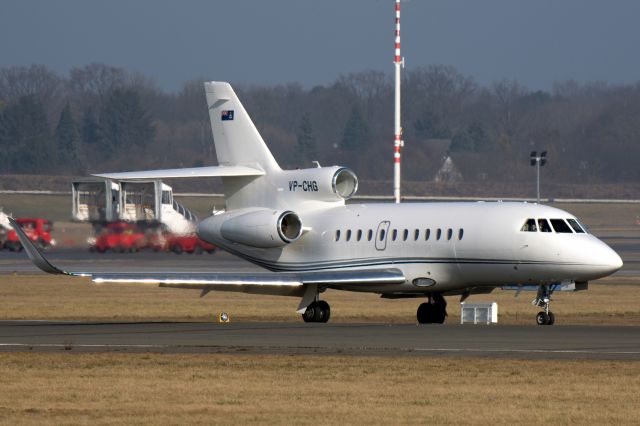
pixel 398 143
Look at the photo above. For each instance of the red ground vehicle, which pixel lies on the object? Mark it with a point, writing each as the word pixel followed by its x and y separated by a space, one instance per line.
pixel 38 230
pixel 120 237
pixel 188 244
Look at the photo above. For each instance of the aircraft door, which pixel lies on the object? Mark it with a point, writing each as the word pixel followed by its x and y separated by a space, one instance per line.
pixel 381 235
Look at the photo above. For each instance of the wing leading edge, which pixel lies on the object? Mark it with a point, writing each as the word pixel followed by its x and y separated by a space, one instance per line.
pixel 284 283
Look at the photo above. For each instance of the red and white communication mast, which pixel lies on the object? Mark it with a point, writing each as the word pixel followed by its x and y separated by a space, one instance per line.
pixel 398 143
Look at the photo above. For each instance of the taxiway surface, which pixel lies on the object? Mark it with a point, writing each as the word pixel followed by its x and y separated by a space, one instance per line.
pixel 531 342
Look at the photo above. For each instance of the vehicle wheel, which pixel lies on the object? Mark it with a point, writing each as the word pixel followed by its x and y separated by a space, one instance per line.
pixel 424 313
pixel 197 250
pixel 40 244
pixel 325 309
pixel 99 249
pixel 439 314
pixel 176 248
pixel 552 318
pixel 542 318
pixel 310 313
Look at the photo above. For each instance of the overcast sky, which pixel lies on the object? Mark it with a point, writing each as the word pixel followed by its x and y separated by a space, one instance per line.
pixel 314 41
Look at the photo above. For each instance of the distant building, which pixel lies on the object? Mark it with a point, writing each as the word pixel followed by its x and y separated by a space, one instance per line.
pixel 448 172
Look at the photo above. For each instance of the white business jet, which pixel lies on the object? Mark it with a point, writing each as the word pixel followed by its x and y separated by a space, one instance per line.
pixel 296 224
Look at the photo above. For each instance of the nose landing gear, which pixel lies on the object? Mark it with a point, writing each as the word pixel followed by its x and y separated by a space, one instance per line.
pixel 543 299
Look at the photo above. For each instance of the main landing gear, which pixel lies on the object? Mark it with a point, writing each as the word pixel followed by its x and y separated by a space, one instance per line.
pixel 318 311
pixel 434 311
pixel 543 299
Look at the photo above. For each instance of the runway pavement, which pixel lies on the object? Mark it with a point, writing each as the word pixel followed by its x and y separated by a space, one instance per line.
pixel 529 342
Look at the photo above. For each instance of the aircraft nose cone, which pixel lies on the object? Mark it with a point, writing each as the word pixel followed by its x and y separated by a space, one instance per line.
pixel 609 260
pixel 614 261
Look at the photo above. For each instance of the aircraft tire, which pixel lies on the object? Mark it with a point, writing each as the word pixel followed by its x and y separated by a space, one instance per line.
pixel 309 314
pixel 438 314
pixel 543 318
pixel 424 314
pixel 552 318
pixel 325 309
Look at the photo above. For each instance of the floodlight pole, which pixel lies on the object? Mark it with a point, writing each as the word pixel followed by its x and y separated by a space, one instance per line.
pixel 398 143
pixel 538 160
pixel 538 180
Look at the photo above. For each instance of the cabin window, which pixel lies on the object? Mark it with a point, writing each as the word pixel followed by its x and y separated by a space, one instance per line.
pixel 576 226
pixel 529 226
pixel 382 234
pixel 438 234
pixel 427 234
pixel 561 226
pixel 416 235
pixel 394 235
pixel 460 233
pixel 544 225
pixel 348 236
pixel 449 234
pixel 359 235
pixel 405 235
pixel 369 235
pixel 338 235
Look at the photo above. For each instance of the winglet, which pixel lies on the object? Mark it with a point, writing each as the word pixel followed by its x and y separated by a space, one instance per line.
pixel 34 254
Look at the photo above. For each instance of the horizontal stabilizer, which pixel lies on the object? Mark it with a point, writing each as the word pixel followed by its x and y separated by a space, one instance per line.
pixel 210 171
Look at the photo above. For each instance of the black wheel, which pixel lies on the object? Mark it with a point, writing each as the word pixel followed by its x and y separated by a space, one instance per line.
pixel 197 250
pixel 542 318
pixel 438 314
pixel 552 318
pixel 310 313
pixel 176 248
pixel 326 310
pixel 424 313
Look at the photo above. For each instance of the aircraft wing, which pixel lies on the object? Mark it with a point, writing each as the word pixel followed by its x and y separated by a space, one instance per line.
pixel 286 281
pixel 210 171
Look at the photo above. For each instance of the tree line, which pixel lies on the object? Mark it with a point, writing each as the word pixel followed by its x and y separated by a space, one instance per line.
pixel 101 118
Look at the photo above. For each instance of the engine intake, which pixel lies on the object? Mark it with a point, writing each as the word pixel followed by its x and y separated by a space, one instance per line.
pixel 344 183
pixel 289 226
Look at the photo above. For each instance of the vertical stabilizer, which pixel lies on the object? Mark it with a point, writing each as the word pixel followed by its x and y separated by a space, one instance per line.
pixel 236 138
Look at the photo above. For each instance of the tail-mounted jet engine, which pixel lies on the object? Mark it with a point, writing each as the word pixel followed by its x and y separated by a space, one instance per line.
pixel 264 228
pixel 320 184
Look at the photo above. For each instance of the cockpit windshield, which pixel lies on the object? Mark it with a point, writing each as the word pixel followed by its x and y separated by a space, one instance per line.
pixel 560 226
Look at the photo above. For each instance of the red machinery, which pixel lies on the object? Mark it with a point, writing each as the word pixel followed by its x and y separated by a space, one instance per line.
pixel 38 230
pixel 119 237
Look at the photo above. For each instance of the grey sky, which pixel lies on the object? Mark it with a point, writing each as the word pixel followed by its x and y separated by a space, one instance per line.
pixel 314 41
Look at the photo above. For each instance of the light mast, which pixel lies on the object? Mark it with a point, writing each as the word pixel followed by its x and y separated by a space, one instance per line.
pixel 398 143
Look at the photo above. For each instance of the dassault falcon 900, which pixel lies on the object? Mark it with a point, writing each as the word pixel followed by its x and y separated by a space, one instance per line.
pixel 296 224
